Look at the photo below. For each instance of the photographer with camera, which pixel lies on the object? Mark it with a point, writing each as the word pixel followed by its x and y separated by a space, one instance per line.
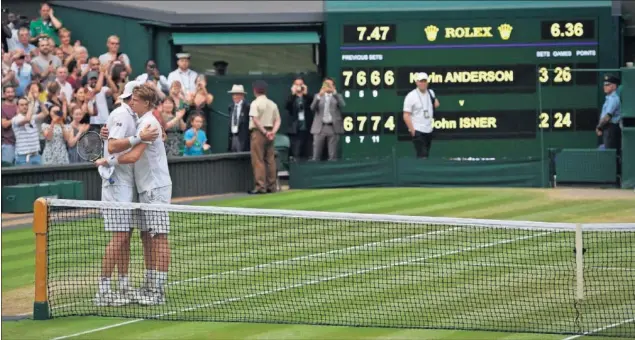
pixel 152 73
pixel 298 107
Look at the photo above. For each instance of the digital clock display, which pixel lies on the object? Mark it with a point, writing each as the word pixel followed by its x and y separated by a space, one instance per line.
pixel 508 85
pixel 357 34
pixel 567 29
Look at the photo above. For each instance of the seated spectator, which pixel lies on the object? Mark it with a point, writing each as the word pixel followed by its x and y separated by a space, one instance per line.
pixel 22 71
pixel 77 127
pixel 9 110
pixel 152 73
pixel 27 142
pixel 55 97
pixel 195 137
pixel 23 41
pixel 67 50
pixel 46 25
pixel 97 98
pixel 46 62
pixel 174 127
pixel 57 136
pixel 113 55
pixel 65 86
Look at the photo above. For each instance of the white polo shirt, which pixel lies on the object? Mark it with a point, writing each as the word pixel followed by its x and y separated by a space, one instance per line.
pixel 421 109
pixel 187 79
pixel 67 92
pixel 122 123
pixel 151 170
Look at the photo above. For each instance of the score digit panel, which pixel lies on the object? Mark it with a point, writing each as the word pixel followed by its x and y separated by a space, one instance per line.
pixel 473 66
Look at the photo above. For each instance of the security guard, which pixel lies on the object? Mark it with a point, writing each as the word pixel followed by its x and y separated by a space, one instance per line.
pixel 609 125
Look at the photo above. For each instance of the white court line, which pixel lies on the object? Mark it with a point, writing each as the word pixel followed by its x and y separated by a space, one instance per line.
pixel 599 329
pixel 244 269
pixel 306 283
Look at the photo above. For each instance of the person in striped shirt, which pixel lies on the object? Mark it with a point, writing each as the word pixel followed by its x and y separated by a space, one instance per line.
pixel 27 138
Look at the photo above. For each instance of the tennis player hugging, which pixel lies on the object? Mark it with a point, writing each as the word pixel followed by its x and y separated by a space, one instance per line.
pixel 135 161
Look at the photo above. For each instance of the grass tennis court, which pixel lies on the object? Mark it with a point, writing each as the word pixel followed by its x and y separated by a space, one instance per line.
pixel 518 204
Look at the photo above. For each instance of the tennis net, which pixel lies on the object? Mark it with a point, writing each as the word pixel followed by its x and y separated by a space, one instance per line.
pixel 280 266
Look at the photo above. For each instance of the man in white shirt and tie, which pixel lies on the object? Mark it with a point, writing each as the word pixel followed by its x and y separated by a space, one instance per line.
pixel 183 74
pixel 239 121
pixel 418 114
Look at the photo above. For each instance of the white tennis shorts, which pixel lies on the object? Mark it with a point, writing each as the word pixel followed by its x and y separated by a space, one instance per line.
pixel 156 222
pixel 118 219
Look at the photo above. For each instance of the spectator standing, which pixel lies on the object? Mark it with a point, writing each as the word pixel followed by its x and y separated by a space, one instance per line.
pixel 152 73
pixel 174 127
pixel 22 72
pixel 195 137
pixel 610 117
pixel 68 50
pixel 46 25
pixel 327 124
pixel 176 93
pixel 113 55
pixel 80 101
pixel 183 74
pixel 239 120
pixel 27 142
pixel 65 87
pixel 74 75
pixel 10 32
pixel 46 62
pixel 97 98
pixel 9 110
pixel 8 76
pixel 200 101
pixel 57 135
pixel 264 124
pixel 40 109
pixel 23 41
pixel 55 97
pixel 93 65
pixel 77 128
pixel 418 114
pixel 298 106
pixel 81 56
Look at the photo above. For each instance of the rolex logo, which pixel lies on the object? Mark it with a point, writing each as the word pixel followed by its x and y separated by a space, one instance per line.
pixel 431 32
pixel 505 31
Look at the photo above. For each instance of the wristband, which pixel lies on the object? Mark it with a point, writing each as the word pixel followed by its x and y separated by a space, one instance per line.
pixel 112 161
pixel 134 140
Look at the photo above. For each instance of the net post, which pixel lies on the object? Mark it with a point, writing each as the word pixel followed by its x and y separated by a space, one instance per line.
pixel 41 309
pixel 579 263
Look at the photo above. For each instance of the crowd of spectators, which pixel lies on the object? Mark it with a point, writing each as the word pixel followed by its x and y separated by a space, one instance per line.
pixel 54 90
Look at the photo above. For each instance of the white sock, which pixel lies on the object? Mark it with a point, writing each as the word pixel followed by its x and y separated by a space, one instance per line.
pixel 123 283
pixel 104 285
pixel 148 280
pixel 161 278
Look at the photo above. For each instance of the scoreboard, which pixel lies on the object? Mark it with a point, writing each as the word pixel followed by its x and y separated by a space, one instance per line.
pixel 508 82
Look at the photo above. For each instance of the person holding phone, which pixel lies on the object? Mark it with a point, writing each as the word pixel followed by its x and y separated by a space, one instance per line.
pixel 328 123
pixel 152 73
pixel 298 107
pixel 57 135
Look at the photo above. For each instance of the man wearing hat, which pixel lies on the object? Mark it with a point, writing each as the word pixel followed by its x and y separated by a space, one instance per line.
pixel 264 124
pixel 238 121
pixel 609 125
pixel 183 74
pixel 418 114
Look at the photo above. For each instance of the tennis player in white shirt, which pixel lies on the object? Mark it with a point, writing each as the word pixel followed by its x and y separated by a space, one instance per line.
pixel 154 185
pixel 418 114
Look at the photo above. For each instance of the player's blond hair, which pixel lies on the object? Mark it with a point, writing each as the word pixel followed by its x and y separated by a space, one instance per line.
pixel 146 93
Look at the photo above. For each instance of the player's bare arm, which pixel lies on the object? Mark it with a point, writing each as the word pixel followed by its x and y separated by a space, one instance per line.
pixel 407 118
pixel 116 145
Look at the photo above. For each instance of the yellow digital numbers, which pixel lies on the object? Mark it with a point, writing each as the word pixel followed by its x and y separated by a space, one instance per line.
pixel 377 33
pixel 570 29
pixel 369 123
pixel 561 75
pixel 361 78
pixel 557 120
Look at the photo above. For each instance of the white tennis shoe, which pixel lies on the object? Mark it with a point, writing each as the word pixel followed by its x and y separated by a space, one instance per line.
pixel 110 299
pixel 153 298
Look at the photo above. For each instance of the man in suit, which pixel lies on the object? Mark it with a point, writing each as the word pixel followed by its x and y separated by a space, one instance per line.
pixel 300 119
pixel 239 121
pixel 327 123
